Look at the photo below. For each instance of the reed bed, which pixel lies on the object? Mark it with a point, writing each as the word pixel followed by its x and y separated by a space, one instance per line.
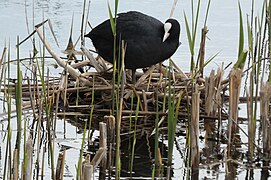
pixel 159 91
pixel 153 83
pixel 163 98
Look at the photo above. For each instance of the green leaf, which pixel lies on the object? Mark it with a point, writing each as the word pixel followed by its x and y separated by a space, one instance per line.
pixel 207 12
pixel 241 31
pixel 206 63
pixel 116 7
pixel 188 35
pixel 196 24
pixel 250 37
pixel 112 21
pixel 241 60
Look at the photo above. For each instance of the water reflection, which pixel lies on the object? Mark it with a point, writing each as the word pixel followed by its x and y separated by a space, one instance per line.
pixel 144 152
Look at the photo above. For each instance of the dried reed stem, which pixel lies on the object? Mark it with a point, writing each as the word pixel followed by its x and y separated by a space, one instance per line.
pixel 195 155
pixel 60 165
pixel 27 174
pixel 235 85
pixel 74 73
pixel 265 95
pixel 101 153
pixel 204 31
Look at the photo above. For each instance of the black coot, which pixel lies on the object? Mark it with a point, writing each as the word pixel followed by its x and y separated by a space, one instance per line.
pixel 148 40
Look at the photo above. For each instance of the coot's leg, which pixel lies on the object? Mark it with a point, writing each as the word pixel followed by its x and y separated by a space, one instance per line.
pixel 133 76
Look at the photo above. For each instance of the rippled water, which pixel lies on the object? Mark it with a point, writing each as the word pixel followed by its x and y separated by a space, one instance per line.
pixel 223 22
pixel 223 25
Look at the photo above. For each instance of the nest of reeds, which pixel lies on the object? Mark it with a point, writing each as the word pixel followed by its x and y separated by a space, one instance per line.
pixel 144 101
pixel 94 93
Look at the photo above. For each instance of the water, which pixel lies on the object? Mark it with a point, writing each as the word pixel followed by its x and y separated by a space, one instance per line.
pixel 223 25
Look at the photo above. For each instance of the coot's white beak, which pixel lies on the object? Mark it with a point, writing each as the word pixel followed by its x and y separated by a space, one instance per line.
pixel 167 27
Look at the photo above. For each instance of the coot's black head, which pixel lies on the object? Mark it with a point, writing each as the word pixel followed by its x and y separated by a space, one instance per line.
pixel 172 30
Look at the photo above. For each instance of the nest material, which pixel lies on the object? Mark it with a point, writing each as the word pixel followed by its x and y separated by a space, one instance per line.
pixel 141 101
pixel 151 93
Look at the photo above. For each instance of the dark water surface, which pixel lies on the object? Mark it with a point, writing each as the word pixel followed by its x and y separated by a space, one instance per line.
pixel 223 25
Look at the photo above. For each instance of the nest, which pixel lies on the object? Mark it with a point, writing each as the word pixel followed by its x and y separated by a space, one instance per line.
pixel 159 89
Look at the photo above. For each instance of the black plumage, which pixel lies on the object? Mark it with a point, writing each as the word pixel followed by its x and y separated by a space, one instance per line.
pixel 144 36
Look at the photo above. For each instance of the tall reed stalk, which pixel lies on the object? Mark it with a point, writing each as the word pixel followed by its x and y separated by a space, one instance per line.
pixel 134 137
pixel 48 113
pixel 8 157
pixel 256 47
pixel 117 100
pixel 18 97
pixel 156 146
pixel 79 164
pixel 172 121
pixel 91 107
pixel 269 37
pixel 191 32
pixel 113 22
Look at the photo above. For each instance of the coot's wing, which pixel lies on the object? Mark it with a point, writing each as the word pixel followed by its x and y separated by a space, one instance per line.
pixel 102 31
pixel 142 53
pixel 134 23
pixel 143 35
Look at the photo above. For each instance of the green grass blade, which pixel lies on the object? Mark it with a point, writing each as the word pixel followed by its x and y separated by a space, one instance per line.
pixel 188 32
pixel 134 138
pixel 116 7
pixel 205 64
pixel 241 60
pixel 112 21
pixel 79 164
pixel 207 13
pixel 241 31
pixel 18 96
pixel 196 23
pixel 171 121
pixel 250 37
pixel 242 54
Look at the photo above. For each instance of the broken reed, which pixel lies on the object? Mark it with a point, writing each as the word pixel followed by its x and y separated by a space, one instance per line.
pixel 195 69
pixel 257 30
pixel 263 50
pixel 27 159
pixel 234 93
pixel 40 96
pixel 257 51
pixel 48 102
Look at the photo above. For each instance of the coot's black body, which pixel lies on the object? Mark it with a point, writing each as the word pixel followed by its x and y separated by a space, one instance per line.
pixel 143 35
